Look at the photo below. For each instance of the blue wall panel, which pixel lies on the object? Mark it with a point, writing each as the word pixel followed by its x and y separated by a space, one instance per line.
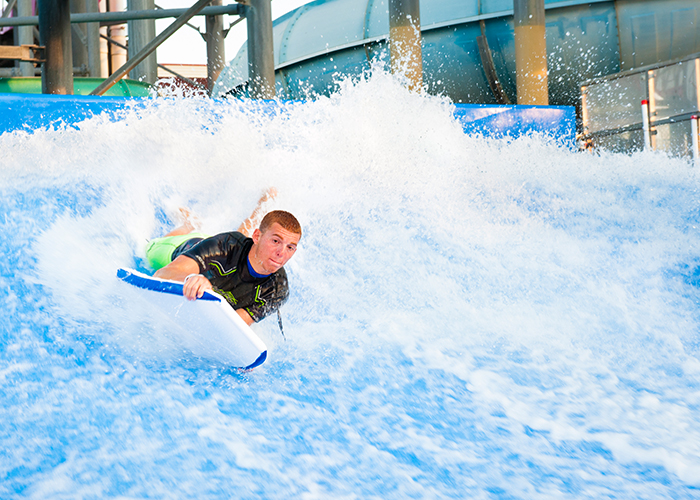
pixel 557 122
pixel 30 111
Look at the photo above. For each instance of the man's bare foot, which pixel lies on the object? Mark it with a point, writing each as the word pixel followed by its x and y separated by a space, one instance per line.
pixel 270 194
pixel 251 223
pixel 188 222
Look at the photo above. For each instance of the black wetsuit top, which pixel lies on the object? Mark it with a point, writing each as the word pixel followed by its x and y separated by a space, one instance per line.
pixel 223 260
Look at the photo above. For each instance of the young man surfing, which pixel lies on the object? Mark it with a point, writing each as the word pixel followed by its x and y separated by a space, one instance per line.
pixel 247 271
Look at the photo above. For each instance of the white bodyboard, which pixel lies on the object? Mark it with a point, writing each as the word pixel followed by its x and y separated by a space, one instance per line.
pixel 208 327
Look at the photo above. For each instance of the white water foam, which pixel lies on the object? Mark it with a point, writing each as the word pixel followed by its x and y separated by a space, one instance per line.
pixel 469 317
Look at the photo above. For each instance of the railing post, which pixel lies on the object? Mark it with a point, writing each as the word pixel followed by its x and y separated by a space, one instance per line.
pixel 645 125
pixel 694 133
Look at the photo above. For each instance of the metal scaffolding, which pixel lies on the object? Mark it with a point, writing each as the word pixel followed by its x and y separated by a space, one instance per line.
pixel 59 28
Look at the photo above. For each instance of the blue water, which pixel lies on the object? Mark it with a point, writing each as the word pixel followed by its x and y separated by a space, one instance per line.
pixel 469 318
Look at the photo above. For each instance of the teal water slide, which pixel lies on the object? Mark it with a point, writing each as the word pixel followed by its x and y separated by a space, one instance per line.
pixel 324 40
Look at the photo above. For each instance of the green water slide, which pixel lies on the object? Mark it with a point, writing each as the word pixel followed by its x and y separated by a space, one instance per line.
pixel 81 86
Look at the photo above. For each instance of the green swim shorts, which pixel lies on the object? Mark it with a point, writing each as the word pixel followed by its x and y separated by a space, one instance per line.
pixel 159 251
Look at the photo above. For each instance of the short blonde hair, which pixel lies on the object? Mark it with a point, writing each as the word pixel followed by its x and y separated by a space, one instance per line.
pixel 284 219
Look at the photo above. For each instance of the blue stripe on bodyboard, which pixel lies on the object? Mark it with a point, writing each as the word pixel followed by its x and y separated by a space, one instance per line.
pixel 261 359
pixel 157 285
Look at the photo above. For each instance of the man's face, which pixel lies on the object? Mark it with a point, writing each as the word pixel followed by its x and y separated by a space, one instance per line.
pixel 273 248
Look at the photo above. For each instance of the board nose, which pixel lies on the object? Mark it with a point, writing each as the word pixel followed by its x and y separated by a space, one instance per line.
pixel 261 359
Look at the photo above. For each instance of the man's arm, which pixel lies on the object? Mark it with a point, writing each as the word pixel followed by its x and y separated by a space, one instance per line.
pixel 245 316
pixel 194 287
pixel 181 268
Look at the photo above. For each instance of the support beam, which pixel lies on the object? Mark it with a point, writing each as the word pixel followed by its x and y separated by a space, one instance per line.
pixel 530 52
pixel 104 46
pixel 93 40
pixel 79 38
pixel 216 51
pixel 140 33
pixel 13 72
pixel 55 34
pixel 405 41
pixel 121 17
pixel 8 8
pixel 261 57
pixel 25 35
pixel 153 45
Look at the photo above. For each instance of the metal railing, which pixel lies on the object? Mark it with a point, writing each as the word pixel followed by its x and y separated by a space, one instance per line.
pixel 654 107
